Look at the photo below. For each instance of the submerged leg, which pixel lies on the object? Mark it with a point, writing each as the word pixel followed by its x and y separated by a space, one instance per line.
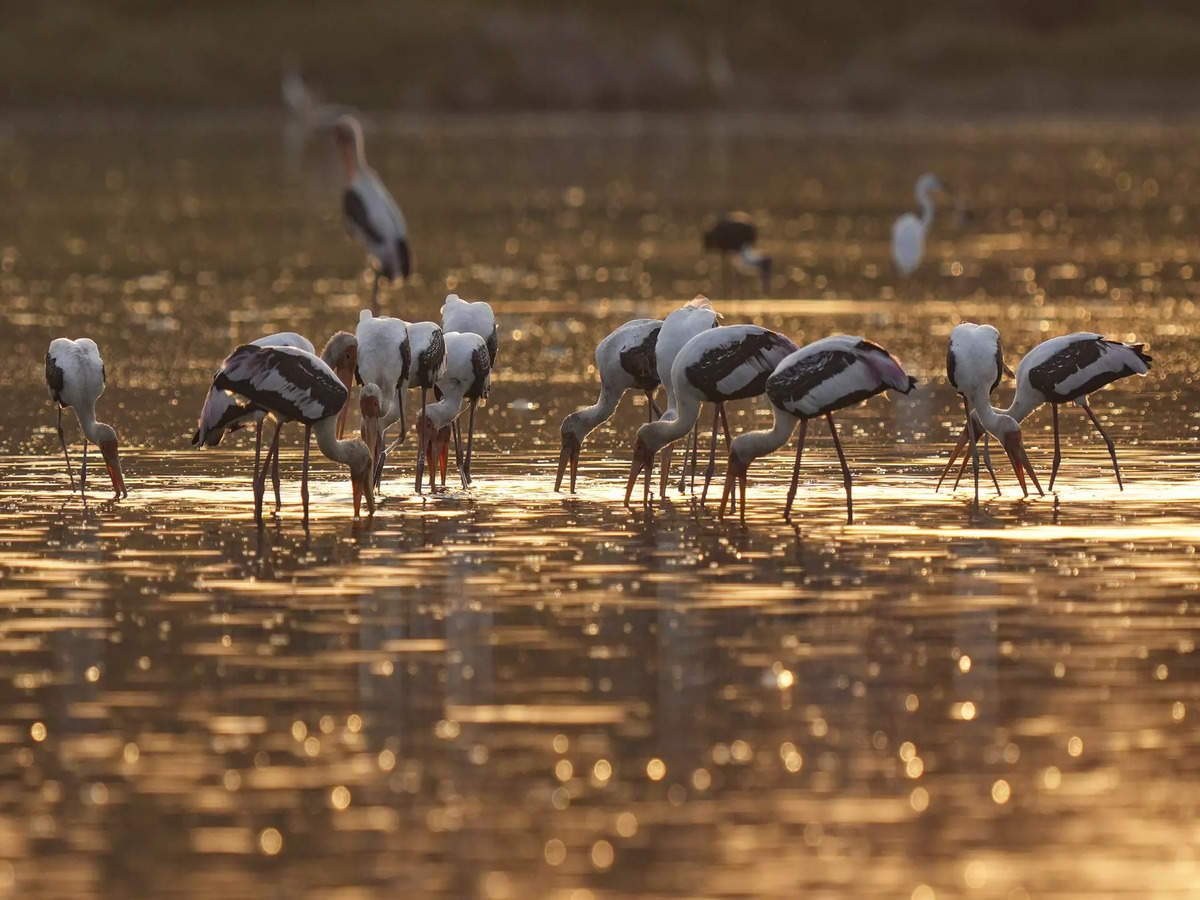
pixel 260 487
pixel 83 467
pixel 712 454
pixel 837 444
pixel 728 444
pixel 421 439
pixel 1057 446
pixel 987 461
pixel 304 473
pixel 974 449
pixel 275 470
pixel 459 461
pixel 689 452
pixel 958 448
pixel 1112 450
pixel 62 439
pixel 787 509
pixel 470 435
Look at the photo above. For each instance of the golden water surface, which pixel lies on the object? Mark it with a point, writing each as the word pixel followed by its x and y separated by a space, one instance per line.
pixel 509 693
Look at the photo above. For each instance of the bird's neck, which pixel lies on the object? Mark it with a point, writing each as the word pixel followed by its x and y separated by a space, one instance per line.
pixel 754 444
pixel 86 413
pixel 327 440
pixel 926 204
pixel 657 435
pixel 601 411
pixel 446 410
pixel 981 405
pixel 1023 404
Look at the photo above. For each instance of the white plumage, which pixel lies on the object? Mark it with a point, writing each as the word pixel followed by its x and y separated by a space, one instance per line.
pixel 730 362
pixel 909 231
pixel 384 360
pixel 464 380
pixel 467 317
pixel 626 360
pixel 817 380
pixel 75 377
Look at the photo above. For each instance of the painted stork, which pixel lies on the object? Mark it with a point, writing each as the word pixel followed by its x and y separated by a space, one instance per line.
pixel 464 380
pixel 224 412
pixel 294 385
pixel 975 364
pixel 909 231
pixel 384 360
pixel 625 360
pixel 679 327
pixel 472 318
pixel 734 236
pixel 1065 369
pixel 371 215
pixel 76 379
pixel 730 362
pixel 817 380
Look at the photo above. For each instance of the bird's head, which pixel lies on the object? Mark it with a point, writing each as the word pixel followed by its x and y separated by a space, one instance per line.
pixel 572 439
pixel 341 354
pixel 347 133
pixel 928 184
pixel 362 476
pixel 1008 432
pixel 643 459
pixel 107 440
pixel 437 440
pixel 370 404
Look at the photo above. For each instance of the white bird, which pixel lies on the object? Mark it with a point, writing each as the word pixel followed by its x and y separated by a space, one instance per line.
pixel 817 380
pixel 371 214
pixel 730 362
pixel 224 412
pixel 76 379
pixel 625 359
pixel 384 360
pixel 472 318
pixel 974 364
pixel 909 231
pixel 974 367
pixel 305 105
pixel 464 380
pixel 679 327
pixel 1065 369
pixel 294 385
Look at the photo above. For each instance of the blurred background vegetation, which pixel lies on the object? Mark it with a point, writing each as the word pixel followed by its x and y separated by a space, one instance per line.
pixel 933 56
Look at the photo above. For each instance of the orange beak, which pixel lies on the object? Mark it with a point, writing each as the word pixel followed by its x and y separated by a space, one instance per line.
pixel 735 478
pixel 112 461
pixel 643 458
pixel 1015 448
pixel 568 456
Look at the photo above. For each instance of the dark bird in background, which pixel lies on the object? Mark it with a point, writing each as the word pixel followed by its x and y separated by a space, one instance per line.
pixel 734 237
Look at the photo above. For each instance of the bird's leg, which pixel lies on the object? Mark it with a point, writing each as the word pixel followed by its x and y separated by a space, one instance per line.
pixel 787 509
pixel 375 295
pixel 1057 448
pixel 83 467
pixel 275 470
pixel 470 434
pixel 728 445
pixel 458 459
pixel 421 439
pixel 1112 450
pixel 695 449
pixel 444 457
pixel 665 475
pixel 62 439
pixel 837 445
pixel 304 474
pixel 974 449
pixel 712 454
pixel 987 461
pixel 260 487
pixel 257 448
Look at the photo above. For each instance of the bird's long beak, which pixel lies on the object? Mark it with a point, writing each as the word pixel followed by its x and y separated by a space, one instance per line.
pixel 112 460
pixel 958 448
pixel 567 456
pixel 1014 446
pixel 345 374
pixel 642 459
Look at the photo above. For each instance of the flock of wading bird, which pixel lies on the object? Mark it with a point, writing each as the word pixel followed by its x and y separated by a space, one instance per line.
pixel 696 360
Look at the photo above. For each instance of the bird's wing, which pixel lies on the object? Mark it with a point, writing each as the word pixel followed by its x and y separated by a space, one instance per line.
pixel 356 214
pixel 639 360
pixel 804 387
pixel 290 383
pixel 54 378
pixel 481 365
pixel 740 368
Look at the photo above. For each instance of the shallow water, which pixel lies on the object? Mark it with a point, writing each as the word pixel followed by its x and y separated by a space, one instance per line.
pixel 505 692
